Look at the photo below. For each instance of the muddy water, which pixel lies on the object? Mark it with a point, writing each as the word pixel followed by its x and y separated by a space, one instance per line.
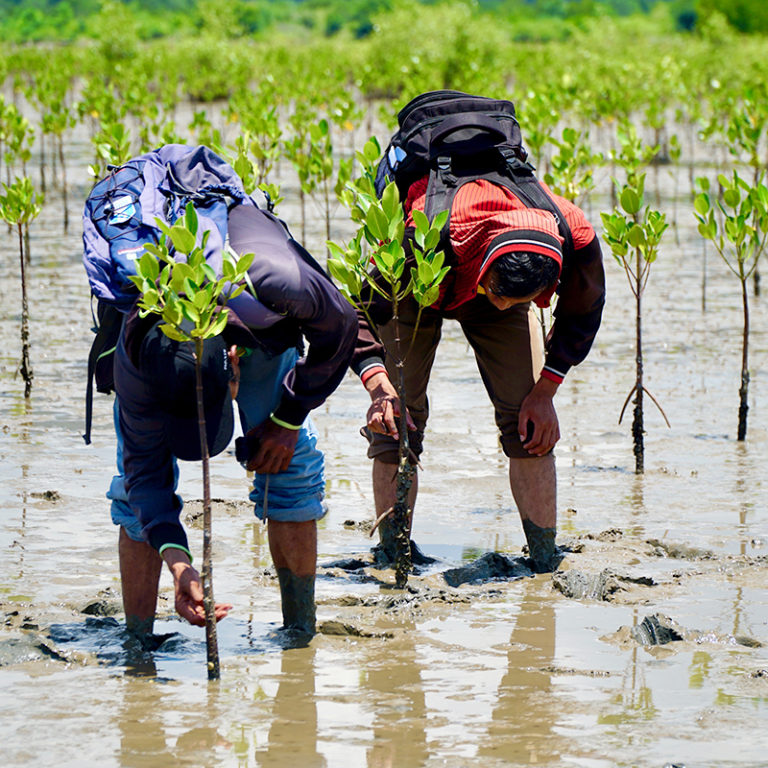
pixel 526 671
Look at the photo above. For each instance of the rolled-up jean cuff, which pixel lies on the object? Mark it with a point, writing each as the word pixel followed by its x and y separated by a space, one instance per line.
pixel 387 450
pixel 122 516
pixel 288 509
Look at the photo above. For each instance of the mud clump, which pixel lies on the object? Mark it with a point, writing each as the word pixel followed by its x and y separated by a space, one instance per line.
pixel 46 495
pixel 596 586
pixel 101 608
pixel 491 566
pixel 747 641
pixel 679 551
pixel 358 525
pixel 610 534
pixel 341 629
pixel 349 564
pixel 656 630
pixel 17 650
pixel 590 586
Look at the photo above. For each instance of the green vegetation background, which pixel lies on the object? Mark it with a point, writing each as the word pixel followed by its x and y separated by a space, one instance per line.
pixel 24 21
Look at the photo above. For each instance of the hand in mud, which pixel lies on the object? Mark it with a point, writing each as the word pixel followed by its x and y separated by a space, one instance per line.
pixel 537 423
pixel 276 447
pixel 384 413
pixel 188 592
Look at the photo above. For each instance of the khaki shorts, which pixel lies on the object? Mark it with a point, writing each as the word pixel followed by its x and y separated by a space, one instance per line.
pixel 508 347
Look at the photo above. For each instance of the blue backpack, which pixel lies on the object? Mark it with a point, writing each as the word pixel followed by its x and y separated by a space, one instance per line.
pixel 120 218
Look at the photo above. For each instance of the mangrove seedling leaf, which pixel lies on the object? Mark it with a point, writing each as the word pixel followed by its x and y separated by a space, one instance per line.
pixel 630 200
pixel 173 333
pixel 183 240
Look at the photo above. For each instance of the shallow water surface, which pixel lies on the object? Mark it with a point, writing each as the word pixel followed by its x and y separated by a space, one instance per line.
pixel 507 672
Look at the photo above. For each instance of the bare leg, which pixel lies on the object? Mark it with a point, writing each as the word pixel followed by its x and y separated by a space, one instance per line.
pixel 294 553
pixel 140 567
pixel 385 487
pixel 534 488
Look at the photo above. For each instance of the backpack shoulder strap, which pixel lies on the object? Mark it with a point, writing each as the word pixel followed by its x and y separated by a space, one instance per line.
pixel 107 328
pixel 517 176
pixel 527 187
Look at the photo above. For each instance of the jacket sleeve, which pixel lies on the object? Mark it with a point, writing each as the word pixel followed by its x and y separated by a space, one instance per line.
pixel 148 466
pixel 299 290
pixel 579 309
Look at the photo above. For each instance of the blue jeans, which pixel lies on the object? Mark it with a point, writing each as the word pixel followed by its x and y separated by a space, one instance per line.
pixel 295 495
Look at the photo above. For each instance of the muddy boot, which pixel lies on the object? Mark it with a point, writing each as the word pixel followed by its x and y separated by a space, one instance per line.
pixel 140 628
pixel 297 596
pixel 385 551
pixel 544 555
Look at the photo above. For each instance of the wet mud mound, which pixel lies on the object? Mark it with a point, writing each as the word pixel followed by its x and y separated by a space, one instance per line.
pixel 596 586
pixel 656 629
pixel 492 566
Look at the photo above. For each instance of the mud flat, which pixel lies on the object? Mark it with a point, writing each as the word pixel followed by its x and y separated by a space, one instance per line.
pixel 646 648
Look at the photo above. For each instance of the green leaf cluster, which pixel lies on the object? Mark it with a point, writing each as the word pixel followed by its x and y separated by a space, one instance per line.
pixel 634 229
pixel 21 203
pixel 177 283
pixel 736 221
pixel 379 240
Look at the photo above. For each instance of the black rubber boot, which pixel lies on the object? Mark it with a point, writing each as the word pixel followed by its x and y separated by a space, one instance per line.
pixel 297 595
pixel 544 555
pixel 385 551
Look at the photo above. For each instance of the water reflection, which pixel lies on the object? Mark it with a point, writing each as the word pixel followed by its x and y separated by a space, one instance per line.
pixel 635 699
pixel 393 686
pixel 293 733
pixel 141 731
pixel 521 730
pixel 147 722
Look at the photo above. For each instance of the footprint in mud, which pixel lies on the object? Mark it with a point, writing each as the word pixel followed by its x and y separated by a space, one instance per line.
pixel 110 642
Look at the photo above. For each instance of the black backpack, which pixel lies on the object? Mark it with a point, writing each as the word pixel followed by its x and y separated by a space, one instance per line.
pixel 456 138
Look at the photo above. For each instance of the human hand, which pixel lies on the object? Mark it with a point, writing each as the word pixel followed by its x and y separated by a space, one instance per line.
pixel 276 447
pixel 537 423
pixel 188 591
pixel 384 412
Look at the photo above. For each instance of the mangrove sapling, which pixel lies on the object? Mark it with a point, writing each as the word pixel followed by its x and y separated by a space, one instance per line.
pixel 191 300
pixel 113 147
pixel 745 131
pixel 634 235
pixel 249 162
pixel 570 176
pixel 18 206
pixel 257 148
pixel 737 224
pixel 298 149
pixel 379 239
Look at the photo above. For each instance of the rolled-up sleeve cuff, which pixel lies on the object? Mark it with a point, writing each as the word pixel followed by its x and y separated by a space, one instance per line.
pixel 168 534
pixel 555 370
pixel 367 367
pixel 290 412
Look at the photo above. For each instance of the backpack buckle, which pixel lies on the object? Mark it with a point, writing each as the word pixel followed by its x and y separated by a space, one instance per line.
pixel 444 171
pixel 515 165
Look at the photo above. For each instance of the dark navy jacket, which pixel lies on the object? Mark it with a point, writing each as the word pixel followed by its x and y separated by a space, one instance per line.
pixel 294 300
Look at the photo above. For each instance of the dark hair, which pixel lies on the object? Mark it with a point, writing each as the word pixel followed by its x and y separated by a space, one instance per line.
pixel 521 273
